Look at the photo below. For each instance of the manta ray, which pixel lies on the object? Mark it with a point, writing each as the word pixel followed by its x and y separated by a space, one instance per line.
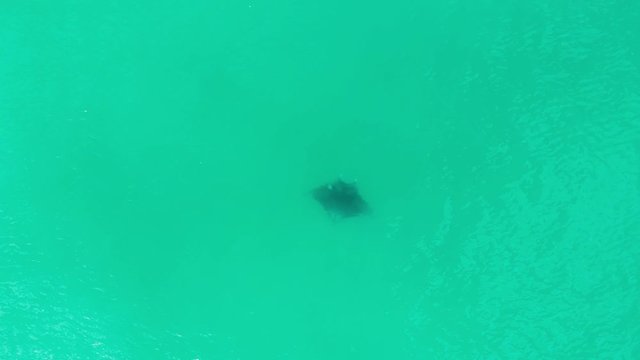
pixel 341 199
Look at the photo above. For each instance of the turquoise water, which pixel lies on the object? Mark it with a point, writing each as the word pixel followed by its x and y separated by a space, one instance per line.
pixel 156 159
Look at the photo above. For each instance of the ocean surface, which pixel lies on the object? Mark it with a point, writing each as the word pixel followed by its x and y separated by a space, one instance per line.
pixel 157 158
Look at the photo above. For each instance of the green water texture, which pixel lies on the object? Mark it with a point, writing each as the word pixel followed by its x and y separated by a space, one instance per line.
pixel 156 159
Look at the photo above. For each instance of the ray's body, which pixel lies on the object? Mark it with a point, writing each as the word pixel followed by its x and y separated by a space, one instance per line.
pixel 341 199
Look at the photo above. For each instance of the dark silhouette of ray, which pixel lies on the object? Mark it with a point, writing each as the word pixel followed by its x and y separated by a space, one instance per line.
pixel 341 199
